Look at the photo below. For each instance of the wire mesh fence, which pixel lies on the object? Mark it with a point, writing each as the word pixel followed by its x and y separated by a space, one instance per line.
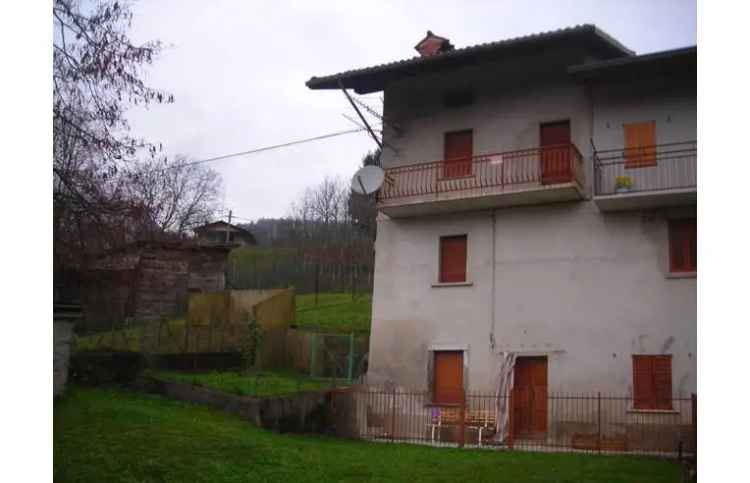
pixel 592 423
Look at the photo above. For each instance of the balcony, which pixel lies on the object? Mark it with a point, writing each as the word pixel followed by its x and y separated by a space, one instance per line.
pixel 648 177
pixel 525 177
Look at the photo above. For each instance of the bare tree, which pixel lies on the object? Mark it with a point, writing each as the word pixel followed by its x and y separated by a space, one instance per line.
pixel 321 209
pixel 175 196
pixel 96 78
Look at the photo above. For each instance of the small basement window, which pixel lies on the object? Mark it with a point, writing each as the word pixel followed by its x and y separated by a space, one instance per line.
pixel 652 382
pixel 452 259
pixel 683 246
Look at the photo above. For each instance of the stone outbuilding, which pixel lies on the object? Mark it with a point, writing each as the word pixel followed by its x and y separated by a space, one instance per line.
pixel 148 280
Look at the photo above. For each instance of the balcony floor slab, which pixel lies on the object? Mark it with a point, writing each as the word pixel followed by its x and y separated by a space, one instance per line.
pixel 647 199
pixel 480 199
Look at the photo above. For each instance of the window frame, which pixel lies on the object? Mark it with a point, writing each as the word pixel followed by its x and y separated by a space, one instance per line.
pixel 683 233
pixel 441 272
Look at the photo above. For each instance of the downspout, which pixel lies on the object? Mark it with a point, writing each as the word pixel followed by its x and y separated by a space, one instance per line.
pixel 492 295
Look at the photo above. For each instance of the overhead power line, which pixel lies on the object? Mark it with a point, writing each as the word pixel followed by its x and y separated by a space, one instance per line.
pixel 265 148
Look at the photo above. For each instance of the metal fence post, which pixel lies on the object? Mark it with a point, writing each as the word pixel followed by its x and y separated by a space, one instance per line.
pixel 393 415
pixel 462 425
pixel 599 420
pixel 510 421
pixel 694 412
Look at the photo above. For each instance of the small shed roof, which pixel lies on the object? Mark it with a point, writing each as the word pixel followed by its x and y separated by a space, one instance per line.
pixel 223 225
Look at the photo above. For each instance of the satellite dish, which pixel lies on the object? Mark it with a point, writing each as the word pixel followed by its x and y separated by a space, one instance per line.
pixel 368 180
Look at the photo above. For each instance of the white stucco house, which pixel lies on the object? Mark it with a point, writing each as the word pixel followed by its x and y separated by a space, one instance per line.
pixel 538 217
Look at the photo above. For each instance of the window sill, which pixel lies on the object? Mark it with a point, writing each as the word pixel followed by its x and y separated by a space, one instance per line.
pixel 682 274
pixel 652 411
pixel 452 284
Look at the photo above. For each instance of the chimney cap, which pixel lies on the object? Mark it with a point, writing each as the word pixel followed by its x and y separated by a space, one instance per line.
pixel 433 44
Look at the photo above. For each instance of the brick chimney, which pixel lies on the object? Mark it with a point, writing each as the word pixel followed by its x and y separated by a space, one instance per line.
pixel 433 45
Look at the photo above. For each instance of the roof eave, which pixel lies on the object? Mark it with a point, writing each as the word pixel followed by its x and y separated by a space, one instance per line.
pixel 372 79
pixel 667 57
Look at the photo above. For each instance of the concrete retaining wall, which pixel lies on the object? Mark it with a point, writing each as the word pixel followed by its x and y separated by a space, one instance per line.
pixel 63 342
pixel 299 412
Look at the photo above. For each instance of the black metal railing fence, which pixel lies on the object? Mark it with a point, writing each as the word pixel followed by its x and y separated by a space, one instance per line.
pixel 595 423
pixel 647 168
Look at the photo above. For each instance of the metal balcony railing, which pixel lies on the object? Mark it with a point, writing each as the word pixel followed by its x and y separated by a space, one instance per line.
pixel 513 170
pixel 649 168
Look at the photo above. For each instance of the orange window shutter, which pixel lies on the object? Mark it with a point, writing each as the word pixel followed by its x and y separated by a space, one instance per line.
pixel 683 247
pixel 644 396
pixel 662 369
pixel 648 143
pixel 453 259
pixel 631 144
pixel 640 141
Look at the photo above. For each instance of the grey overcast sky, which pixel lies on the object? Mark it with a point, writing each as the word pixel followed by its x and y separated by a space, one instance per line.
pixel 238 71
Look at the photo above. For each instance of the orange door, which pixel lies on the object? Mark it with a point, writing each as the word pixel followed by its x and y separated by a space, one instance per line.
pixel 458 151
pixel 530 397
pixel 449 377
pixel 555 152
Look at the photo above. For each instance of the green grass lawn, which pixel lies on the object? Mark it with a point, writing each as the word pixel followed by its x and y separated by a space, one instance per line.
pixel 335 312
pixel 260 384
pixel 116 436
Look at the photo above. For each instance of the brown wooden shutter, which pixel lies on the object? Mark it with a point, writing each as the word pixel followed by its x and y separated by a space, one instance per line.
pixel 449 377
pixel 453 259
pixel 662 376
pixel 652 381
pixel 644 395
pixel 683 248
pixel 640 144
pixel 458 152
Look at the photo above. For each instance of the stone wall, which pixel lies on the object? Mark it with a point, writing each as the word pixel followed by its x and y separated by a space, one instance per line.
pixel 63 342
pixel 150 280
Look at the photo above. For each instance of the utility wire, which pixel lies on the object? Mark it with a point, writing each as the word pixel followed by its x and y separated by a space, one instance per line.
pixel 264 148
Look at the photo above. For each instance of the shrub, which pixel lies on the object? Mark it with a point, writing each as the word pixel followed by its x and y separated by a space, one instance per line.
pixel 623 182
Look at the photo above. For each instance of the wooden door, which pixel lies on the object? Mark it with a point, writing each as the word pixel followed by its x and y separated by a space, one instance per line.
pixel 555 152
pixel 449 377
pixel 530 397
pixel 457 154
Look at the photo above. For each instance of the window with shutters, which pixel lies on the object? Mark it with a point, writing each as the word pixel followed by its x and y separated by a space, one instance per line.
pixel 452 259
pixel 683 246
pixel 640 144
pixel 652 382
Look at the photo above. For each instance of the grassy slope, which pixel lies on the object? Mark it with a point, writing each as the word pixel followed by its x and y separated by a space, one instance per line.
pixel 111 435
pixel 129 339
pixel 335 312
pixel 262 384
